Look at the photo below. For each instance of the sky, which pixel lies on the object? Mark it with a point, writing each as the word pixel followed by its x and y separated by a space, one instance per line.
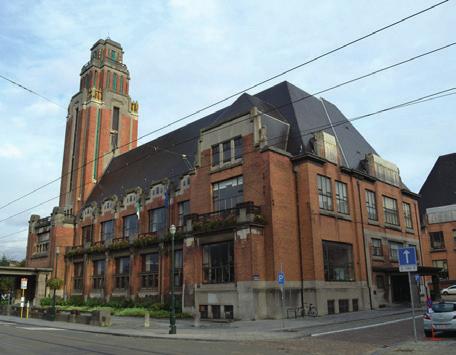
pixel 183 55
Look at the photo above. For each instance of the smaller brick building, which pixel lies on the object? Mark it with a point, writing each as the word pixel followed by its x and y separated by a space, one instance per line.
pixel 438 210
pixel 276 181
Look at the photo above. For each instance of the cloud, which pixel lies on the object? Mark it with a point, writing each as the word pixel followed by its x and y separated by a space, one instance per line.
pixel 10 151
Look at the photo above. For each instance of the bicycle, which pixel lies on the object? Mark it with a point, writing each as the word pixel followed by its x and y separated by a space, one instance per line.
pixel 311 310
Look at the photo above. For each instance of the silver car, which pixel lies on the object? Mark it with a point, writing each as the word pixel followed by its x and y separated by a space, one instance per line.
pixel 442 318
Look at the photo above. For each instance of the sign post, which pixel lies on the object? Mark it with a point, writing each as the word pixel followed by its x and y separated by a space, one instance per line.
pixel 23 288
pixel 281 282
pixel 407 263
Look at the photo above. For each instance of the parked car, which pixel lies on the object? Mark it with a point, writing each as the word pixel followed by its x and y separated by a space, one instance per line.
pixel 449 290
pixel 442 317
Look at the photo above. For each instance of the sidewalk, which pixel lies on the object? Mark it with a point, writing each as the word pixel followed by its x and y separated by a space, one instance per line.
pixel 214 331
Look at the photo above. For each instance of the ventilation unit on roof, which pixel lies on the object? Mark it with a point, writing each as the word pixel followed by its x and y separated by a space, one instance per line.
pixel 383 170
pixel 326 146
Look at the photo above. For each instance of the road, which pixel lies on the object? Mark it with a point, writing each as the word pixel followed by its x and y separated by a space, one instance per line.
pixel 20 339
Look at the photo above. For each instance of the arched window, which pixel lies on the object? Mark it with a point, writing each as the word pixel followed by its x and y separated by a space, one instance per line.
pixel 114 82
pixel 121 84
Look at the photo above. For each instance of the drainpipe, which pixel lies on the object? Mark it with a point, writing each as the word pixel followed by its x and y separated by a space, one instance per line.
pixel 418 227
pixel 364 245
pixel 299 237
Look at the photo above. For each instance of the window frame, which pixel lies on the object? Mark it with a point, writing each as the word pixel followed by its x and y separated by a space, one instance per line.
pixel 230 201
pixel 182 212
pixel 390 215
pixel 408 219
pixel 346 269
pixel 103 234
pixel 394 256
pixel 371 205
pixel 218 271
pixel 124 227
pixel 154 227
pixel 342 204
pixel 433 242
pixel 324 189
pixel 377 247
pixel 443 275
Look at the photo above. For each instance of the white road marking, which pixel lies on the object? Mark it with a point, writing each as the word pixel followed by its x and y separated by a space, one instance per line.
pixel 363 327
pixel 39 328
pixel 6 323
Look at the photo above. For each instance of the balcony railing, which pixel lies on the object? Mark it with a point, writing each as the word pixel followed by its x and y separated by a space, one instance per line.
pixel 98 282
pixel 245 212
pixel 149 280
pixel 121 281
pixel 77 283
pixel 43 222
pixel 218 274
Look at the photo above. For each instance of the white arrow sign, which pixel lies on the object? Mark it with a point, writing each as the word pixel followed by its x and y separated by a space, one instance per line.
pixel 406 253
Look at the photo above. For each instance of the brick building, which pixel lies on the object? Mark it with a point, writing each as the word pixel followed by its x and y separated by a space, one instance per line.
pixel 276 181
pixel 438 210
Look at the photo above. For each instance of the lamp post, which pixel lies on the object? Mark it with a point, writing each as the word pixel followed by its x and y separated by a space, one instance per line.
pixel 56 262
pixel 172 315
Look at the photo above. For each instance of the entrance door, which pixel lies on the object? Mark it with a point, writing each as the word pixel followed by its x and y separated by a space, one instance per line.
pixel 400 288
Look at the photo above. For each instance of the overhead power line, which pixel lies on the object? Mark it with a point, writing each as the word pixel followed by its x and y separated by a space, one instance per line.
pixel 245 90
pixel 31 91
pixel 313 130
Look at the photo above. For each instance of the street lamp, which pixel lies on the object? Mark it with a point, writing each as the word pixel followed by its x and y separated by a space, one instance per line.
pixel 172 315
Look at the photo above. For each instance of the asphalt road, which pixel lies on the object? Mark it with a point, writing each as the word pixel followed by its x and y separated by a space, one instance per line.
pixel 19 339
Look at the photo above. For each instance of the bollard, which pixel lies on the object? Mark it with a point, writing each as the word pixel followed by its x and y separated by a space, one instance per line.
pixel 28 309
pixel 146 319
pixel 196 318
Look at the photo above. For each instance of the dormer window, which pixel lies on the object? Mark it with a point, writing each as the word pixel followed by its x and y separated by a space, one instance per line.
pixel 227 152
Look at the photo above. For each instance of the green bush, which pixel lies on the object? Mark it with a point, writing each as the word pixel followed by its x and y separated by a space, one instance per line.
pixel 94 302
pixel 75 301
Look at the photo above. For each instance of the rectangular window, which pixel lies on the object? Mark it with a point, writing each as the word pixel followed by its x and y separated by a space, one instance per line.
pixel 341 197
pixel 130 226
pixel 338 261
pixel 437 240
pixel 215 155
pixel 98 274
pixel 407 215
pixel 150 271
pixel 115 118
pixel 78 273
pixel 324 192
pixel 238 147
pixel 380 282
pixel 331 307
pixel 454 235
pixel 178 268
pixel 183 210
pixel 218 263
pixel 390 211
pixel 443 264
pixel 122 272
pixel 115 128
pixel 157 220
pixel 107 230
pixel 355 305
pixel 371 206
pixel 42 243
pixel 226 151
pixel 377 249
pixel 228 193
pixel 394 250
pixel 87 234
pixel 344 306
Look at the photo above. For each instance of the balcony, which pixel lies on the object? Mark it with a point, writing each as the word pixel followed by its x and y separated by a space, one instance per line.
pixel 43 222
pixel 244 213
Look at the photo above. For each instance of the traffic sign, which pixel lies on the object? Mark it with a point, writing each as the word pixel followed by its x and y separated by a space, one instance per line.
pixel 23 283
pixel 281 278
pixel 407 259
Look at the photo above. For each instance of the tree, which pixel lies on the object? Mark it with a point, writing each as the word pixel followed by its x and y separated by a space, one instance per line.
pixel 4 261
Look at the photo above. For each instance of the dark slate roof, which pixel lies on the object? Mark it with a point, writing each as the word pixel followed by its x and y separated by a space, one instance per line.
pixel 305 115
pixel 242 106
pixel 439 189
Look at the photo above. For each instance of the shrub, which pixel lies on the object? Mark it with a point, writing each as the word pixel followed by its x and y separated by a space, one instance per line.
pixel 75 301
pixel 94 302
pixel 55 283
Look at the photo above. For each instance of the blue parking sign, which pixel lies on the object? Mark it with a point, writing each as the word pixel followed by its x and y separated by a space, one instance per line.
pixel 281 278
pixel 407 259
